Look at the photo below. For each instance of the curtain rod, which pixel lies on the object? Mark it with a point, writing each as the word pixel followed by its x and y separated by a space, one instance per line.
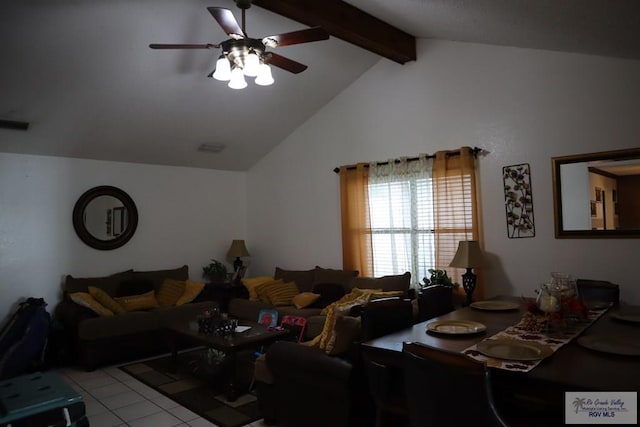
pixel 475 151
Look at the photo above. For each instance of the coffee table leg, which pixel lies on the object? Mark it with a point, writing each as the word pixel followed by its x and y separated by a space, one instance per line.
pixel 232 386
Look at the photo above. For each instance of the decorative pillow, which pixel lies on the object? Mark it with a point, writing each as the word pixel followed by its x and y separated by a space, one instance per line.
pixel 133 287
pixel 329 275
pixel 400 282
pixel 329 292
pixel 251 282
pixel 304 278
pixel 191 291
pixel 86 300
pixel 282 294
pixel 263 288
pixel 103 298
pixel 304 299
pixel 138 302
pixel 170 292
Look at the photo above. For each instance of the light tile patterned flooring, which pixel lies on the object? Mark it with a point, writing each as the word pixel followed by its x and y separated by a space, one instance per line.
pixel 113 398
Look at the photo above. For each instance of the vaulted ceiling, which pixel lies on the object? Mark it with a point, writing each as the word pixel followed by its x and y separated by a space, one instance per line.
pixel 80 72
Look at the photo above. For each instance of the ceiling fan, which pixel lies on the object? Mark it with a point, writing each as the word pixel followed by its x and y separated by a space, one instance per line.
pixel 245 56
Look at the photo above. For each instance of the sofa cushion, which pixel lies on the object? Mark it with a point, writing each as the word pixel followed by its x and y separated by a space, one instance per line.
pixel 109 283
pixel 304 299
pixel 133 287
pixel 242 308
pixel 158 276
pixel 328 275
pixel 85 299
pixel 252 282
pixel 181 314
pixel 346 332
pixel 138 302
pixel 282 294
pixel 170 292
pixel 329 292
pixel 191 290
pixel 103 298
pixel 115 326
pixel 304 278
pixel 400 282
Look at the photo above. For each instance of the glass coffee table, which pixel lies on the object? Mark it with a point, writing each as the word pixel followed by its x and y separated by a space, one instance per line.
pixel 253 338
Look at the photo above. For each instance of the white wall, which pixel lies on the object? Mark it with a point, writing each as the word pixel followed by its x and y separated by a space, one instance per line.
pixel 186 216
pixel 523 106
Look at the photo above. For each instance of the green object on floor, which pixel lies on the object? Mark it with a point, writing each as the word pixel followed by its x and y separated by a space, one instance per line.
pixel 193 389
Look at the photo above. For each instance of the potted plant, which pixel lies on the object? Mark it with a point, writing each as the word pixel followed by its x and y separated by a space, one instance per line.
pixel 215 271
pixel 438 277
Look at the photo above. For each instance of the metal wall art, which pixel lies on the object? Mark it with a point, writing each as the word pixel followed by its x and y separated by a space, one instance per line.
pixel 518 201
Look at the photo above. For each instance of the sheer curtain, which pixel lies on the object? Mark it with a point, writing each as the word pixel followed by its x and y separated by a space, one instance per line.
pixel 401 217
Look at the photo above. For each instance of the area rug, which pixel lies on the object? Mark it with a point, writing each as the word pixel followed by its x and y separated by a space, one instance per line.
pixel 198 385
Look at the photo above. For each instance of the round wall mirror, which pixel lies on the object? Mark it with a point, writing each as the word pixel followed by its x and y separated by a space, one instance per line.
pixel 105 217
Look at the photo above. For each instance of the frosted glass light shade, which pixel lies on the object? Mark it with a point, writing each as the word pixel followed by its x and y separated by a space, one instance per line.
pixel 251 65
pixel 264 76
pixel 237 79
pixel 223 69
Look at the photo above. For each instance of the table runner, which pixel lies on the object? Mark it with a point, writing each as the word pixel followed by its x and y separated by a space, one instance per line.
pixel 553 340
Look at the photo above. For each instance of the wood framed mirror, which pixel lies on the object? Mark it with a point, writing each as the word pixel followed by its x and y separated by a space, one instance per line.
pixel 105 217
pixel 597 195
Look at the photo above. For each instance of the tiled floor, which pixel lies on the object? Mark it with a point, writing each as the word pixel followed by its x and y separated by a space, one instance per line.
pixel 113 398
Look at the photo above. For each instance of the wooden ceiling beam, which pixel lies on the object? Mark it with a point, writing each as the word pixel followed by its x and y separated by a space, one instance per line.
pixel 348 23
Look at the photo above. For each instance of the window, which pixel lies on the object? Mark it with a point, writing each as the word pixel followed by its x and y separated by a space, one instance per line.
pixel 408 215
pixel 402 226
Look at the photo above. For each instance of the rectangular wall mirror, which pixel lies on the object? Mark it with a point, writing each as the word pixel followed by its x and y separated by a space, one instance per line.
pixel 597 194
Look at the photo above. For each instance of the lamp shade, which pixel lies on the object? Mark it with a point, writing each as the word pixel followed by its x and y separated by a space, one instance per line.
pixel 237 249
pixel 468 255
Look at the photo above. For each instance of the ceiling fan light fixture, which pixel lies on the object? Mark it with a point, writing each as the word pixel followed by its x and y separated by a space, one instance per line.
pixel 223 69
pixel 264 75
pixel 237 79
pixel 251 64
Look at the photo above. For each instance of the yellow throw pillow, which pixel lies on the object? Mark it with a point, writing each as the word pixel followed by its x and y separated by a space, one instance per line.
pixel 191 291
pixel 103 298
pixel 138 302
pixel 304 299
pixel 282 294
pixel 262 290
pixel 86 300
pixel 252 282
pixel 170 292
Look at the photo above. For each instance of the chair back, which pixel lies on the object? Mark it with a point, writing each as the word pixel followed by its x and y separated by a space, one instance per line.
pixel 598 290
pixel 434 301
pixel 384 316
pixel 447 389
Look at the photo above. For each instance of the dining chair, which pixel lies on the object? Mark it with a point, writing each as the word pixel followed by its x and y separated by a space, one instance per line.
pixel 386 383
pixel 598 290
pixel 447 389
pixel 434 301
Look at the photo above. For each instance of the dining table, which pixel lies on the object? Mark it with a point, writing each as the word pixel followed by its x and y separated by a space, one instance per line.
pixel 585 363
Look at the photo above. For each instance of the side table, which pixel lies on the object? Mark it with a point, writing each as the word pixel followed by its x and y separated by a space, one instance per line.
pixel 222 292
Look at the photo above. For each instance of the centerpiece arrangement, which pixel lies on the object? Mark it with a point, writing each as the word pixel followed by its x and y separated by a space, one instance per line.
pixel 556 305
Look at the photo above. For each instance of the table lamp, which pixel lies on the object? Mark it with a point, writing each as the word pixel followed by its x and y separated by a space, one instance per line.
pixel 468 256
pixel 237 250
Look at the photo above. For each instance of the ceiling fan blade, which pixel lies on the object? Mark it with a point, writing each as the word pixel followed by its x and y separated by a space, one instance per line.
pixel 296 37
pixel 227 21
pixel 285 63
pixel 183 46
